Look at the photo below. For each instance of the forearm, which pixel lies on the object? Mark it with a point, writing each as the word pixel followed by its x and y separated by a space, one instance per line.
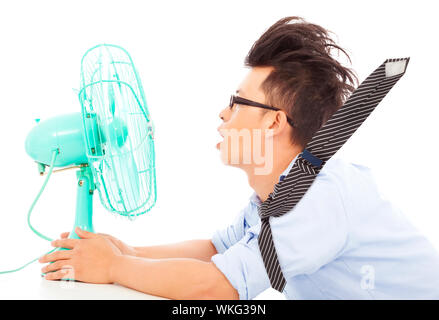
pixel 174 278
pixel 195 249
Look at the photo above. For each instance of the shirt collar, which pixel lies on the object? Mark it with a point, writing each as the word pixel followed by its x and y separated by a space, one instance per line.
pixel 254 198
pixel 287 170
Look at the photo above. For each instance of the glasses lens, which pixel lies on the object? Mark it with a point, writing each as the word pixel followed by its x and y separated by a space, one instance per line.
pixel 231 102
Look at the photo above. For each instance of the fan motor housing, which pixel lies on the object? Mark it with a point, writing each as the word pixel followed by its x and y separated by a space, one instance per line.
pixel 63 133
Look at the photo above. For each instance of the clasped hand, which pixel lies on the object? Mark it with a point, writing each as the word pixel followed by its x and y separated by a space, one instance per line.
pixel 89 259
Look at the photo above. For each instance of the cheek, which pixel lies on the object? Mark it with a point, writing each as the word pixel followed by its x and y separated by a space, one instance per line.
pixel 236 120
pixel 243 119
pixel 242 144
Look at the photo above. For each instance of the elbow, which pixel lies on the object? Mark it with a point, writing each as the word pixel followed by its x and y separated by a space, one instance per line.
pixel 214 287
pixel 219 287
pixel 219 291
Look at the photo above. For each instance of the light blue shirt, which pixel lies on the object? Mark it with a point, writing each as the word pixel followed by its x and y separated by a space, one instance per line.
pixel 343 240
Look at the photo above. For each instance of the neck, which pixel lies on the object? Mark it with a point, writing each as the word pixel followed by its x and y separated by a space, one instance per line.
pixel 263 185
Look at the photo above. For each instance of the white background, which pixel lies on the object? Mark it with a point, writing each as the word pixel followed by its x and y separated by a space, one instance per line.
pixel 190 56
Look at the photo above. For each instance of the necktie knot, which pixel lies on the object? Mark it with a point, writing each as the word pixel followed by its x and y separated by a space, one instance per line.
pixel 274 205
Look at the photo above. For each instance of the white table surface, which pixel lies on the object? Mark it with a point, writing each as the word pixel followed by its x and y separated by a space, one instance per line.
pixel 28 284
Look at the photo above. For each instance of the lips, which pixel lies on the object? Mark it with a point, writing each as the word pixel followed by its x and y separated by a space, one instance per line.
pixel 219 143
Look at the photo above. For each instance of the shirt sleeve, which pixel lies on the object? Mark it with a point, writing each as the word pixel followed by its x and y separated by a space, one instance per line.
pixel 225 238
pixel 309 236
pixel 243 266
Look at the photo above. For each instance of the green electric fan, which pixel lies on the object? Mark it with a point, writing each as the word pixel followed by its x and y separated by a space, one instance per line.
pixel 110 142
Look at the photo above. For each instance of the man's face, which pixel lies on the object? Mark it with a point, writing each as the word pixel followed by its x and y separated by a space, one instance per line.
pixel 243 128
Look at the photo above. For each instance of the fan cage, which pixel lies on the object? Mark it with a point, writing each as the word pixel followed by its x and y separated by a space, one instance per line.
pixel 119 133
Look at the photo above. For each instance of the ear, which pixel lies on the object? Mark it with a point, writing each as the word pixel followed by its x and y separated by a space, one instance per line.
pixel 277 122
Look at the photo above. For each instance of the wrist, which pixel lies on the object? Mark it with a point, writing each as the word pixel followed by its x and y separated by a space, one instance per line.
pixel 114 268
pixel 134 251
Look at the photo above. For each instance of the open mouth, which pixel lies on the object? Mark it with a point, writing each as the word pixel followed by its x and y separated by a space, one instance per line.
pixel 219 143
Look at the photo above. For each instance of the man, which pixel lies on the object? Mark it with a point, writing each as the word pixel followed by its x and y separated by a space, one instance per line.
pixel 342 240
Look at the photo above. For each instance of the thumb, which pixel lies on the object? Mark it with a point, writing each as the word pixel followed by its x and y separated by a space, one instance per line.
pixel 84 234
pixel 64 235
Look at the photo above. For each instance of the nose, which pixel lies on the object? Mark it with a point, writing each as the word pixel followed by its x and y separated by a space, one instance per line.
pixel 222 114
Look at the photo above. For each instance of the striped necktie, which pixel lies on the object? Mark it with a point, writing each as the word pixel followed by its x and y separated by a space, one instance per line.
pixel 324 144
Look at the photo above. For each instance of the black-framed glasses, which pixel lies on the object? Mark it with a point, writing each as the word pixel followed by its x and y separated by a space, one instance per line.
pixel 240 100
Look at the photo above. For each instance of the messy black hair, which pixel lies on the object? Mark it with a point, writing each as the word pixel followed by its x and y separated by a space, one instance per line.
pixel 306 82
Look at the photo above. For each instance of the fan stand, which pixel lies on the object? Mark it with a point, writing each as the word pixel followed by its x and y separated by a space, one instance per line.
pixel 84 208
pixel 84 201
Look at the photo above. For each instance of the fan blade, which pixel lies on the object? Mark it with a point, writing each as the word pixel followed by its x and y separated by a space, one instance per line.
pixel 124 181
pixel 111 101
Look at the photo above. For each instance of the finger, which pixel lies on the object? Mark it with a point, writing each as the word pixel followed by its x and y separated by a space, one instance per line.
pixel 65 243
pixel 56 255
pixel 85 234
pixel 103 234
pixel 60 264
pixel 65 235
pixel 57 274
